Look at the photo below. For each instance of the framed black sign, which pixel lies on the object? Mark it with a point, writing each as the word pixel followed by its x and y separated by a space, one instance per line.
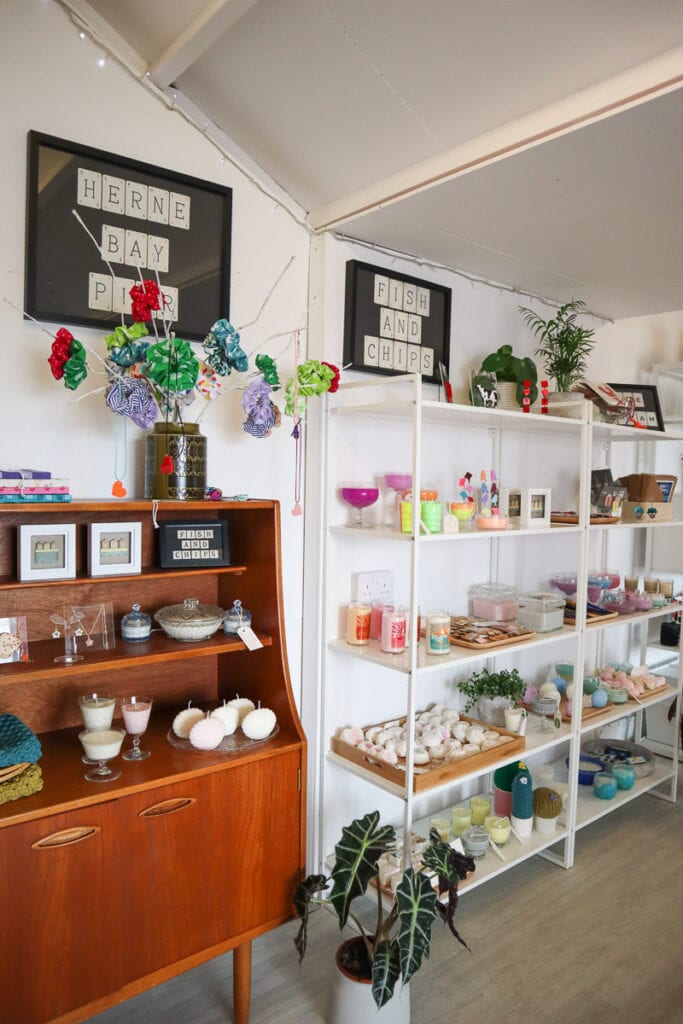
pixel 394 323
pixel 193 544
pixel 143 218
pixel 647 411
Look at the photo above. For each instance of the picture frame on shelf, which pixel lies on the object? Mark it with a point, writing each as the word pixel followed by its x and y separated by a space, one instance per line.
pixel 667 485
pixel 47 552
pixel 535 508
pixel 648 412
pixel 146 220
pixel 115 549
pixel 510 504
pixel 394 323
pixel 193 544
pixel 13 639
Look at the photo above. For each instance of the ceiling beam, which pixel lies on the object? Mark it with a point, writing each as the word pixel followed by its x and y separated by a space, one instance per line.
pixel 217 18
pixel 88 19
pixel 630 88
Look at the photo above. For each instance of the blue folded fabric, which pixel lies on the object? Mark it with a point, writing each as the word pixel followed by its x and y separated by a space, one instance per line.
pixel 17 742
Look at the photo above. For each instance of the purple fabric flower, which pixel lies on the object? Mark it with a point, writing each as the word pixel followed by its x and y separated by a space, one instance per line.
pixel 130 396
pixel 262 415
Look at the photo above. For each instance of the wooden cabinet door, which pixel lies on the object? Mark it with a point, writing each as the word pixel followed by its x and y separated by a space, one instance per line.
pixel 61 913
pixel 208 860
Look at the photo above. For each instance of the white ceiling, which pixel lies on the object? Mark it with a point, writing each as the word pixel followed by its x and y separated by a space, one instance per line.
pixel 537 143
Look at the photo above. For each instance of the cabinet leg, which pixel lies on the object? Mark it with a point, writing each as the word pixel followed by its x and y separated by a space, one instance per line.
pixel 241 981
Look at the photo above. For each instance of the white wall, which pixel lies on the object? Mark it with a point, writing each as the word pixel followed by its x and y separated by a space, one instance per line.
pixel 50 82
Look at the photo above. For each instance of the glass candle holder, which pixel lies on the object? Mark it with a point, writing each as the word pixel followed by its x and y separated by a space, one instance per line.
pixel 438 632
pixel 443 827
pixel 481 808
pixel 624 774
pixel 498 828
pixel 604 785
pixel 461 818
pixel 475 841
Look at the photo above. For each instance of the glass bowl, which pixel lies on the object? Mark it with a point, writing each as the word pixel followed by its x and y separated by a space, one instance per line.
pixel 564 581
pixel 190 621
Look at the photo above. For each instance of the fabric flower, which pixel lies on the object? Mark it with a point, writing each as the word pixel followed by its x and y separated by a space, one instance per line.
pixel 262 415
pixel 334 385
pixel 268 368
pixel 209 384
pixel 127 355
pixel 223 350
pixel 60 352
pixel 145 298
pixel 315 377
pixel 75 368
pixel 121 335
pixel 130 396
pixel 172 365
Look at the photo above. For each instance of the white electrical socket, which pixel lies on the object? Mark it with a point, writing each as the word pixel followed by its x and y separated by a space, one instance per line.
pixel 372 586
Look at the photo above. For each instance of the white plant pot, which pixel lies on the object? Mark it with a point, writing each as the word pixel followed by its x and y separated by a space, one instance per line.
pixel 350 1002
pixel 568 404
pixel 522 826
pixel 545 825
pixel 507 395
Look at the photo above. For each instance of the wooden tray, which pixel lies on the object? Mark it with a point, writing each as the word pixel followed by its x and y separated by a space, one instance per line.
pixel 586 713
pixel 649 694
pixel 566 519
pixel 592 618
pixel 506 641
pixel 424 777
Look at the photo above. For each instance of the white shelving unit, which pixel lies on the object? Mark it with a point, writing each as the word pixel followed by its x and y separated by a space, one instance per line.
pixel 373 427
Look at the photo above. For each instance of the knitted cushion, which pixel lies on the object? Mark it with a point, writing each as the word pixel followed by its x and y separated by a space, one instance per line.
pixel 25 784
pixel 17 742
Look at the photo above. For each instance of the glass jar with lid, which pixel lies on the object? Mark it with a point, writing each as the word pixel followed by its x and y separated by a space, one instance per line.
pixel 136 625
pixel 541 611
pixel 236 617
pixel 497 602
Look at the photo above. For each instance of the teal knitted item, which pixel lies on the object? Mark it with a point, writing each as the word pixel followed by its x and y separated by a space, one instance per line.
pixel 522 794
pixel 17 742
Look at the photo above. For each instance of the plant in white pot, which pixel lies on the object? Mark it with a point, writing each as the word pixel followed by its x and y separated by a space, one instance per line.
pixel 492 692
pixel 564 344
pixel 399 940
pixel 513 373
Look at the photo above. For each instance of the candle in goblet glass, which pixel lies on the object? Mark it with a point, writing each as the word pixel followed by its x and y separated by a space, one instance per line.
pixel 360 496
pixel 136 712
pixel 100 746
pixel 97 710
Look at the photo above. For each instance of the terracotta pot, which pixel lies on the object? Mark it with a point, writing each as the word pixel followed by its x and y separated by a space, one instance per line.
pixel 350 998
pixel 187 449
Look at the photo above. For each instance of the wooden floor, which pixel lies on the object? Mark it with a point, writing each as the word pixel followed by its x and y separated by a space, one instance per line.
pixel 600 944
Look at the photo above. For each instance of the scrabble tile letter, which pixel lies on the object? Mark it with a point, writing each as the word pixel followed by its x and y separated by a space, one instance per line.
pixel 370 350
pixel 89 188
pixel 381 294
pixel 386 323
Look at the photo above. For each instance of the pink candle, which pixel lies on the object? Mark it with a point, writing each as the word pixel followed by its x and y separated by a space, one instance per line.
pixel 393 632
pixel 136 716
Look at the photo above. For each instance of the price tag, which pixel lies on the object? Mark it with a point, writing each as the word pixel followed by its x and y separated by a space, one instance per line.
pixel 249 638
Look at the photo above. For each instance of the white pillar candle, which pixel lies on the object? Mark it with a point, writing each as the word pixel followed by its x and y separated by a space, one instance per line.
pixel 97 711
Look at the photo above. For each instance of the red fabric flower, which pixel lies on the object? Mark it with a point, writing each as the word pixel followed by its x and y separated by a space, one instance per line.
pixel 61 348
pixel 145 298
pixel 334 386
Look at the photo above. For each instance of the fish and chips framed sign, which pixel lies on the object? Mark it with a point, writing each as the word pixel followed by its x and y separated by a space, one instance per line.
pixel 394 323
pixel 146 222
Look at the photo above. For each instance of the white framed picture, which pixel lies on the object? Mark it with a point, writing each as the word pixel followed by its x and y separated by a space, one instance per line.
pixel 47 552
pixel 115 549
pixel 510 504
pixel 535 508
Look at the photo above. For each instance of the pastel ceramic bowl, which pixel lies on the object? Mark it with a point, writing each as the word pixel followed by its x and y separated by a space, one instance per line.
pixel 590 684
pixel 616 695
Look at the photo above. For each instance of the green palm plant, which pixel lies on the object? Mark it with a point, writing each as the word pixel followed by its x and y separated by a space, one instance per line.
pixel 565 344
pixel 401 937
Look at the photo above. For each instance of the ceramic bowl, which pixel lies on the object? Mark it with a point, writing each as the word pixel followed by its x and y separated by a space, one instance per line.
pixel 590 684
pixel 588 769
pixel 190 621
pixel 616 695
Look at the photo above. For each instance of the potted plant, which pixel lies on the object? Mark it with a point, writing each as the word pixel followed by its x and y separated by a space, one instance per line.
pixel 564 344
pixel 547 809
pixel 492 693
pixel 511 370
pixel 400 938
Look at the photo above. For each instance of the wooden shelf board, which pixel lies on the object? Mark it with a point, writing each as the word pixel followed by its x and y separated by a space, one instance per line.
pixel 11 583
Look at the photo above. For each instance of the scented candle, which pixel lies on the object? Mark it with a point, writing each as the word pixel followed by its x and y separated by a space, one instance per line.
pixel 393 639
pixel 438 632
pixel 102 744
pixel 461 818
pixel 97 710
pixel 494 601
pixel 136 716
pixel 378 610
pixel 481 808
pixel 358 624
pixel 498 827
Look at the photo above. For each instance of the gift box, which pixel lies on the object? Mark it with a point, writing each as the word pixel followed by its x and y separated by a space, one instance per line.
pixel 647 512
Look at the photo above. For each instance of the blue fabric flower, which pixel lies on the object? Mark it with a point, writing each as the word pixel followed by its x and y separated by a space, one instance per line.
pixel 126 355
pixel 131 396
pixel 223 350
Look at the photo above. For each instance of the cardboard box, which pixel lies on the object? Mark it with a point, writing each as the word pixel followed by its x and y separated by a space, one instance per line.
pixel 647 512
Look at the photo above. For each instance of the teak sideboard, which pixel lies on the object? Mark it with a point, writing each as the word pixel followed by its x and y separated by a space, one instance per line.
pixel 106 890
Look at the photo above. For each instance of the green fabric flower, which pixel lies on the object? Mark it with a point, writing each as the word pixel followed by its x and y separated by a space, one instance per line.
pixel 75 368
pixel 268 368
pixel 172 365
pixel 124 335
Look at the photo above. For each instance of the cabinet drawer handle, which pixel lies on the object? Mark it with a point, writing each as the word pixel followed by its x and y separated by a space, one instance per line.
pixel 166 807
pixel 67 837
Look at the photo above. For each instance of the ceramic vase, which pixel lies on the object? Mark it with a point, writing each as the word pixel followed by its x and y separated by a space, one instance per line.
pixel 186 448
pixel 350 999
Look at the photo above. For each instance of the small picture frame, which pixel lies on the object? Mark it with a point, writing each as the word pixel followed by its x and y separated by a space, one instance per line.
pixel 648 412
pixel 535 508
pixel 13 639
pixel 115 549
pixel 193 544
pixel 667 485
pixel 47 552
pixel 510 504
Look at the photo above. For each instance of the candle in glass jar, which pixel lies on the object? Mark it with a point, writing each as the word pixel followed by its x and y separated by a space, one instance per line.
pixel 393 640
pixel 437 632
pixel 461 818
pixel 97 710
pixel 481 808
pixel 498 827
pixel 358 624
pixel 378 610
pixel 136 716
